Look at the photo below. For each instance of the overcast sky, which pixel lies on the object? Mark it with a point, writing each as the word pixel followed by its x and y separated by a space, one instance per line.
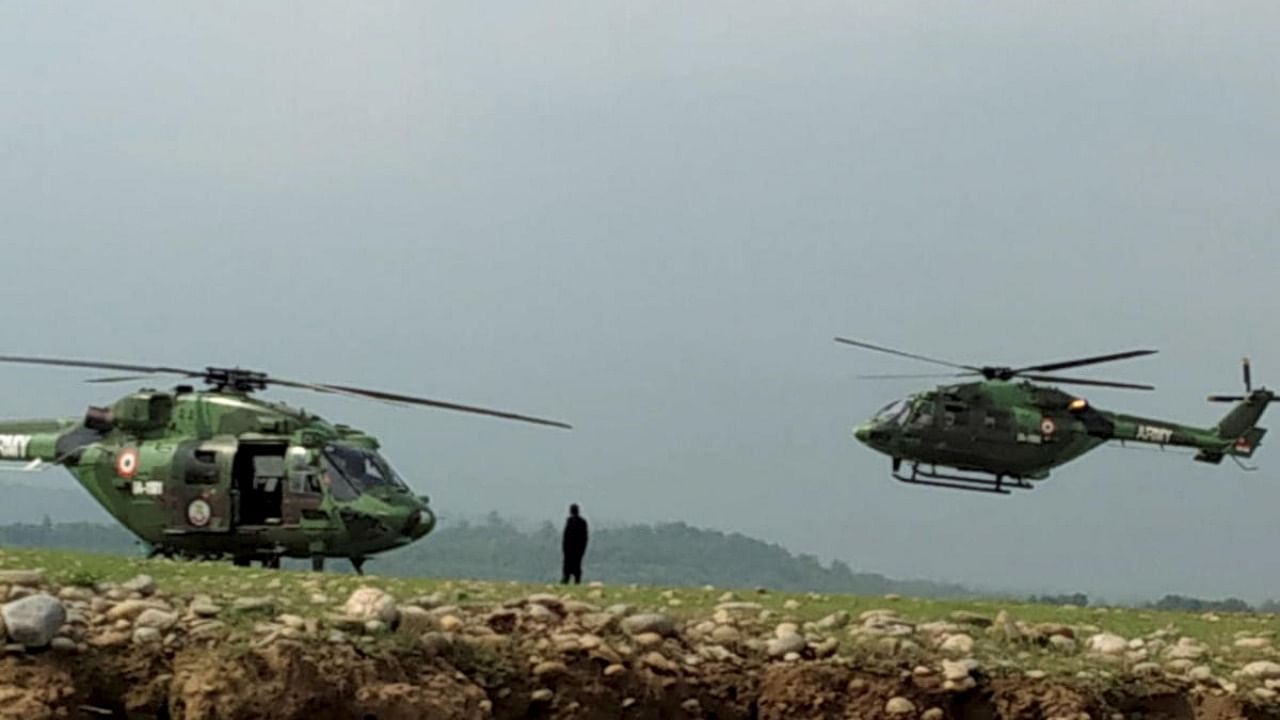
pixel 649 219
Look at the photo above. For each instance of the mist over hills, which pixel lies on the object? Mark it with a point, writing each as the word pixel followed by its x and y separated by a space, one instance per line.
pixel 498 549
pixel 49 511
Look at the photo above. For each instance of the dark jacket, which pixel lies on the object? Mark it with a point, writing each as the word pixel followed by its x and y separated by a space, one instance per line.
pixel 575 536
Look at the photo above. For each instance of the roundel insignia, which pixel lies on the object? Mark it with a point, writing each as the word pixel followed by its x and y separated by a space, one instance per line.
pixel 199 513
pixel 1242 444
pixel 1047 426
pixel 127 463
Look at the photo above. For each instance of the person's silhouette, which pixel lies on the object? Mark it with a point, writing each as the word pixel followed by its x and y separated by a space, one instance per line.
pixel 574 546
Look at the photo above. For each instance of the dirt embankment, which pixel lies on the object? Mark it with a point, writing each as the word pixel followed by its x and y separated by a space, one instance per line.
pixel 292 681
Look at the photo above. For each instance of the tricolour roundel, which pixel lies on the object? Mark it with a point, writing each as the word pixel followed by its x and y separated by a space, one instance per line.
pixel 127 462
pixel 1047 426
pixel 199 513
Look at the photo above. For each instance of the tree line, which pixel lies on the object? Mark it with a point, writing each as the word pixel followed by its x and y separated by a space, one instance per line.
pixel 495 548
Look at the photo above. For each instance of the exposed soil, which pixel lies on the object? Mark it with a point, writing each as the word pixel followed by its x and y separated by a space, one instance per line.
pixel 292 681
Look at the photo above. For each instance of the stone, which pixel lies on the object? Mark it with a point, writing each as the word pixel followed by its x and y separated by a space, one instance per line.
pixel 130 609
pixel 599 622
pixel 1201 673
pixel 647 640
pixel 1146 668
pixel 1261 669
pixel 543 614
pixel 502 621
pixel 834 621
pixel 1107 644
pixel 1253 643
pixel 959 644
pixel 26 578
pixel 548 601
pixel 791 604
pixel 614 670
pixel 954 670
pixel 726 635
pixel 659 623
pixel 64 645
pixel 933 713
pixel 33 621
pixel 158 619
pixel 826 648
pixel 142 584
pixel 542 695
pixel 1004 628
pixel 1062 643
pixel 76 594
pixel 659 662
pixel 780 646
pixel 253 604
pixel 899 706
pixel 1051 630
pixel 785 629
pixel 550 668
pixel 740 607
pixel 1186 649
pixel 294 622
pixel 370 603
pixel 146 635
pixel 970 618
pixel 205 608
pixel 414 620
pixel 450 623
pixel 577 607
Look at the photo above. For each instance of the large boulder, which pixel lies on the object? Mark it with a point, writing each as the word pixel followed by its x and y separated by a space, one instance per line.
pixel 1108 644
pixel 659 623
pixel 370 603
pixel 34 620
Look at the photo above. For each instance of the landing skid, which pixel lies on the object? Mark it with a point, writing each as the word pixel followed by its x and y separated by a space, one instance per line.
pixel 985 483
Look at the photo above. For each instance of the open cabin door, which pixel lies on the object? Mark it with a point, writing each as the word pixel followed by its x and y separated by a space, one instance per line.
pixel 258 476
pixel 203 498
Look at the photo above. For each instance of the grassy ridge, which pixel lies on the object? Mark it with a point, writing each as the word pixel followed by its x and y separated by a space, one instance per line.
pixel 295 591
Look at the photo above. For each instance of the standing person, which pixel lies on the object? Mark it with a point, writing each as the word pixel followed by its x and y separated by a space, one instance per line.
pixel 574 546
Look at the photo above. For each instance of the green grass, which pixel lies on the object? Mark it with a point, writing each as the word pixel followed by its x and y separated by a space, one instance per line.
pixel 293 591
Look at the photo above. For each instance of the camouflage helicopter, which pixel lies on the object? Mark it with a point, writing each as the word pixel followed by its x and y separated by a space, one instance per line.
pixel 1002 431
pixel 216 472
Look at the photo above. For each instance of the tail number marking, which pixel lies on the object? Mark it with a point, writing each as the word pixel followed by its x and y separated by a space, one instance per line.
pixel 14 446
pixel 1154 434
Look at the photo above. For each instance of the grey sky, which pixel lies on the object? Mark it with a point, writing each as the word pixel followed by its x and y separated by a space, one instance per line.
pixel 649 219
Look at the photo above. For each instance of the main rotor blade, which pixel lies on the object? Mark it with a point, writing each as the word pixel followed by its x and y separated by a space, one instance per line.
pixel 118 378
pixel 914 376
pixel 1048 367
pixel 396 397
pixel 1226 398
pixel 913 356
pixel 1085 381
pixel 100 365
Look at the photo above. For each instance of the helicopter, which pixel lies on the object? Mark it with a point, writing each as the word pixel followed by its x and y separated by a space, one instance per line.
pixel 216 472
pixel 1002 432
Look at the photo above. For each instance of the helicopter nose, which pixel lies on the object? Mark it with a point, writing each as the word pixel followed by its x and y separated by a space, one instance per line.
pixel 420 522
pixel 863 433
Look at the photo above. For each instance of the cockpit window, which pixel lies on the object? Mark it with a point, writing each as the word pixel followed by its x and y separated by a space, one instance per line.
pixel 362 469
pixel 893 413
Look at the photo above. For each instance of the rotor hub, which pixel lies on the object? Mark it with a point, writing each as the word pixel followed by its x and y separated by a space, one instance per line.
pixel 235 379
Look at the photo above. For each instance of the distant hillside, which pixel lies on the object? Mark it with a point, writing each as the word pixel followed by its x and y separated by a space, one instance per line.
pixel 664 554
pixel 496 549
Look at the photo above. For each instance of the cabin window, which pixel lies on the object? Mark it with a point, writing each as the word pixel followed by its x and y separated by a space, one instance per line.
pixel 203 468
pixel 955 415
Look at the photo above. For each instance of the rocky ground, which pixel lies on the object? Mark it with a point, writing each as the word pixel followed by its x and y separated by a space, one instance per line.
pixel 292 645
